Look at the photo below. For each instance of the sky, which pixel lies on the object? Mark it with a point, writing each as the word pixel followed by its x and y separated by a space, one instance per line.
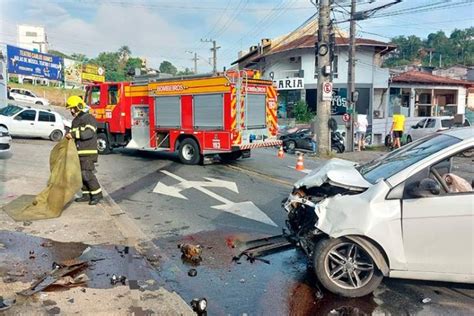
pixel 172 29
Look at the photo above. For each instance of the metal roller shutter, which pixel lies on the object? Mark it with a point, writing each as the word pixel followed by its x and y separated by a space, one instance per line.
pixel 256 111
pixel 209 111
pixel 168 111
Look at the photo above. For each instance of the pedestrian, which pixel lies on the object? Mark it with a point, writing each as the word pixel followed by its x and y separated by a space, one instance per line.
pixel 397 129
pixel 361 130
pixel 83 132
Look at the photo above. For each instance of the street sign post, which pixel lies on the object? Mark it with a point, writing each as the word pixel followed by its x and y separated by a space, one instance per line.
pixel 327 91
pixel 346 117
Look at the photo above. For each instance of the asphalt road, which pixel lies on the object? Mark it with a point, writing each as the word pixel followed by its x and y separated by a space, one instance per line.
pixel 218 206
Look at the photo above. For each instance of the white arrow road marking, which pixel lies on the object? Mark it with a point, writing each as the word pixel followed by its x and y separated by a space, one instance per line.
pixel 170 190
pixel 304 170
pixel 247 210
pixel 243 209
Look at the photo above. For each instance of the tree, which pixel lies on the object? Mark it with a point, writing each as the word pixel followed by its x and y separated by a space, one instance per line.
pixel 168 68
pixel 186 72
pixel 458 48
pixel 80 57
pixel 124 53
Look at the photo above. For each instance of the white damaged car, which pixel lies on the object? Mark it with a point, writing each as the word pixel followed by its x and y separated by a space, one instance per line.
pixel 408 214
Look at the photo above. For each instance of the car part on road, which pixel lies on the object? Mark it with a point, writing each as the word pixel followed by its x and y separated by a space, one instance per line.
pixel 6 304
pixel 52 277
pixel 114 279
pixel 199 305
pixel 192 272
pixel 191 252
pixel 254 249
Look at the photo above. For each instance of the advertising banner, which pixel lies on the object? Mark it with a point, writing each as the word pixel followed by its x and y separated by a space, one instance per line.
pixel 72 72
pixel 93 73
pixel 29 63
pixel 3 75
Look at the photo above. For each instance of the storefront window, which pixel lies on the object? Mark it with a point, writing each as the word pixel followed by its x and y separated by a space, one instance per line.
pixel 287 100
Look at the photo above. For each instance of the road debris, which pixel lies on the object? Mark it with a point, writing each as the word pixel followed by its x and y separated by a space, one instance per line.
pixel 114 279
pixel 191 252
pixel 6 303
pixel 52 277
pixel 426 300
pixel 192 272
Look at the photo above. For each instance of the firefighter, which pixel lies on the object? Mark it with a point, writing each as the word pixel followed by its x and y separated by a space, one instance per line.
pixel 83 131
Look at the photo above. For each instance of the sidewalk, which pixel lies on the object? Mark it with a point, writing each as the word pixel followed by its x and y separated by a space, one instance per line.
pixel 104 227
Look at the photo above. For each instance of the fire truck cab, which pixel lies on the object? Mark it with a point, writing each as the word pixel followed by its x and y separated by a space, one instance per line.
pixel 196 116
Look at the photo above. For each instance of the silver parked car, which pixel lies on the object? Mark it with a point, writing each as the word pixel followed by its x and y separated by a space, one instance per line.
pixel 409 214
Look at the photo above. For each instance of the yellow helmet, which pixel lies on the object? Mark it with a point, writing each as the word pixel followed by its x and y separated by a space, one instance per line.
pixel 75 101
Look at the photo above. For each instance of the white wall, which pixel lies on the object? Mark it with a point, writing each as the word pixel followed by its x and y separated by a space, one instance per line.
pixel 365 71
pixel 26 42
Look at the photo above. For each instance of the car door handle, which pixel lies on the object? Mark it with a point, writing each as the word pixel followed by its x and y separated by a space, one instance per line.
pixel 32 123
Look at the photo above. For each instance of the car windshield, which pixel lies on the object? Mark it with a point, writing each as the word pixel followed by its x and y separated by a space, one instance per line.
pixel 10 110
pixel 386 166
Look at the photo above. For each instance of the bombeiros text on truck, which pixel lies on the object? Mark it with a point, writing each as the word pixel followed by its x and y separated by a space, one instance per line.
pixel 197 116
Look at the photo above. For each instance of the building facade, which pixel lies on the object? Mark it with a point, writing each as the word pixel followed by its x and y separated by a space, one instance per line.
pixel 33 38
pixel 292 64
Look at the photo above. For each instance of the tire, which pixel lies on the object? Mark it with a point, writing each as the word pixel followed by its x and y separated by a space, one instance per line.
pixel 188 152
pixel 409 140
pixel 56 135
pixel 103 144
pixel 228 157
pixel 39 103
pixel 340 148
pixel 290 145
pixel 333 254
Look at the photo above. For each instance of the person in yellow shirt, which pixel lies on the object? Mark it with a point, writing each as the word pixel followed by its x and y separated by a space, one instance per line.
pixel 397 129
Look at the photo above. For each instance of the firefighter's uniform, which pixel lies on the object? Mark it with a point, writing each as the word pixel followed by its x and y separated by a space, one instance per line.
pixel 83 131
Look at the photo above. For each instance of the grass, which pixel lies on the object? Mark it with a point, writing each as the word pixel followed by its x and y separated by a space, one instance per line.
pixel 56 96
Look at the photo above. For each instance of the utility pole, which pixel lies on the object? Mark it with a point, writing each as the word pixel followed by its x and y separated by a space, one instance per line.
pixel 324 78
pixel 214 53
pixel 351 77
pixel 195 60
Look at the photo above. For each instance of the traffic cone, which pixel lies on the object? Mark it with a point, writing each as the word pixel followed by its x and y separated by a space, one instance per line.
pixel 299 163
pixel 280 152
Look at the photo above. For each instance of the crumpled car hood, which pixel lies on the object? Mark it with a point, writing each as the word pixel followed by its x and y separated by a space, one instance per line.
pixel 337 172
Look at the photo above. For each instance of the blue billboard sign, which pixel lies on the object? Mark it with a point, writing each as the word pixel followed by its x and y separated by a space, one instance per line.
pixel 29 63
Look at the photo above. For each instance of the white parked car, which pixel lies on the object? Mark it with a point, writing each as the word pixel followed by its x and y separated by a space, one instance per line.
pixel 5 139
pixel 24 95
pixel 429 126
pixel 408 214
pixel 31 122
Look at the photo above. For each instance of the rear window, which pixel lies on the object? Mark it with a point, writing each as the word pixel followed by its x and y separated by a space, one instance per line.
pixel 46 117
pixel 447 123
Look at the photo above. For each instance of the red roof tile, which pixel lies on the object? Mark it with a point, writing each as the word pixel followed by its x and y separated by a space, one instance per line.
pixel 427 78
pixel 308 41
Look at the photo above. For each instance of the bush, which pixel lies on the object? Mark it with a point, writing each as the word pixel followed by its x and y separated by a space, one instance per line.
pixel 13 79
pixel 302 113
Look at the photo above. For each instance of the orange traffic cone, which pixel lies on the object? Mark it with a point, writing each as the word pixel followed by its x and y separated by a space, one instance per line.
pixel 299 163
pixel 280 152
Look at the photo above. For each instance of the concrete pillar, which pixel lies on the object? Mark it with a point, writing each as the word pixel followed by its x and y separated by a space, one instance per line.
pixel 412 102
pixel 461 100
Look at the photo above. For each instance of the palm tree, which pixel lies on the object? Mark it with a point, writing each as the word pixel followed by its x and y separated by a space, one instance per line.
pixel 124 53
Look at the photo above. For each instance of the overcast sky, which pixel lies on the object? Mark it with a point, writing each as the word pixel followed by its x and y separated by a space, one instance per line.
pixel 165 29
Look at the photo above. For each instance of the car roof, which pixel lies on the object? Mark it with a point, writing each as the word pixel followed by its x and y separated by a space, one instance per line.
pixel 461 132
pixel 33 108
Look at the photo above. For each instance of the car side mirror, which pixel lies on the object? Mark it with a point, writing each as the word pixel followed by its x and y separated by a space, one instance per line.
pixel 424 188
pixel 414 126
pixel 18 118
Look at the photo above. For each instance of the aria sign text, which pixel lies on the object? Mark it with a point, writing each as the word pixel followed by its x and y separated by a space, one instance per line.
pixel 289 84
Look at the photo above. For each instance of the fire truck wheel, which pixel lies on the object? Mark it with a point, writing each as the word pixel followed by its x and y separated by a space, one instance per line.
pixel 189 152
pixel 103 144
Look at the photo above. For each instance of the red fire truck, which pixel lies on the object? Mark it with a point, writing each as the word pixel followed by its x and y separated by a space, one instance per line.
pixel 197 117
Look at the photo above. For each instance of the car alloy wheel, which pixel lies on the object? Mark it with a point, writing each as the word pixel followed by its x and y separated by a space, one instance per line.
pixel 291 145
pixel 349 266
